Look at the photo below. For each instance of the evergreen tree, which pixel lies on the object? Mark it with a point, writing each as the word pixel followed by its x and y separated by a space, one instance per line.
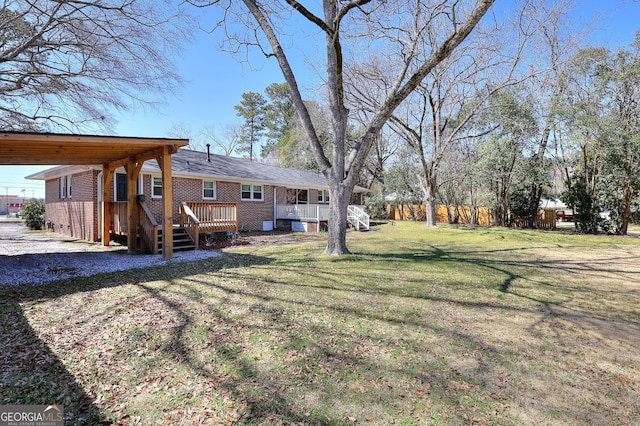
pixel 252 109
pixel 279 116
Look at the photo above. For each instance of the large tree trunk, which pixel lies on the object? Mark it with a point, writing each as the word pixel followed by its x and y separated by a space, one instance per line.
pixel 430 202
pixel 626 211
pixel 338 205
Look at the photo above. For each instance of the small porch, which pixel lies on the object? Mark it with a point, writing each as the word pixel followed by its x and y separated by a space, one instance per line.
pixel 318 214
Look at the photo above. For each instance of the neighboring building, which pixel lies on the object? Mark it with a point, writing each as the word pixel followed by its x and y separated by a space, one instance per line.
pixel 10 205
pixel 264 196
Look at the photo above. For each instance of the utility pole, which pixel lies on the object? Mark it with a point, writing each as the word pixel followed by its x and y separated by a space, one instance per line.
pixel 6 200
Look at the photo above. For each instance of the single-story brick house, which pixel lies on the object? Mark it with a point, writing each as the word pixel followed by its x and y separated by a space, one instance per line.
pixel 261 196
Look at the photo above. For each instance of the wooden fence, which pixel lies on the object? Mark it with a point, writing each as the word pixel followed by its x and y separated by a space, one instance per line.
pixel 546 218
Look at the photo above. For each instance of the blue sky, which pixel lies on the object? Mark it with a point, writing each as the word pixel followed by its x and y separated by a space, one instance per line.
pixel 215 81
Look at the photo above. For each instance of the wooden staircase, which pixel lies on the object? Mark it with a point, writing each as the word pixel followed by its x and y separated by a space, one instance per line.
pixel 181 240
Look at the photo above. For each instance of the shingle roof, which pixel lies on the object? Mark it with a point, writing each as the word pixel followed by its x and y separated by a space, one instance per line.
pixel 194 163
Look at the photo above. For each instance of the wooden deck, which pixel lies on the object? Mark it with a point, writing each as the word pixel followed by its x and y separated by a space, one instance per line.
pixel 208 217
pixel 196 218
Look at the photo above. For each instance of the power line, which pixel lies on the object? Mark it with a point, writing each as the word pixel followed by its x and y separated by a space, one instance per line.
pixel 17 185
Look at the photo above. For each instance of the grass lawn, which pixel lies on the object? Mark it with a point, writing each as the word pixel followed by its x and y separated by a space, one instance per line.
pixel 447 326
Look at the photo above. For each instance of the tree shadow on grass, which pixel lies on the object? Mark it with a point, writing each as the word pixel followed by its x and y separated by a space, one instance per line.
pixel 260 392
pixel 446 380
pixel 503 262
pixel 32 373
pixel 182 299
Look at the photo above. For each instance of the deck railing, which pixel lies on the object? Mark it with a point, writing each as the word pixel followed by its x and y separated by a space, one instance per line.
pixel 357 217
pixel 195 217
pixel 119 220
pixel 320 212
pixel 212 216
pixel 147 224
pixel 148 228
pixel 308 212
pixel 189 221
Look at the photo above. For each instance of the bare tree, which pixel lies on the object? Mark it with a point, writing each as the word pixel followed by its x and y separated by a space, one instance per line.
pixel 183 130
pixel 225 140
pixel 440 113
pixel 348 30
pixel 69 64
pixel 382 151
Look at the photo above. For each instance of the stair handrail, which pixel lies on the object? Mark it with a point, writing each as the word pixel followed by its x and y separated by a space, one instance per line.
pixel 190 222
pixel 352 216
pixel 148 227
pixel 358 216
pixel 365 218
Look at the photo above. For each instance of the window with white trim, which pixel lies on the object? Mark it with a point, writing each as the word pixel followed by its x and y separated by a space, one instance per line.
pixel 208 190
pixel 156 187
pixel 251 192
pixel 323 196
pixel 65 186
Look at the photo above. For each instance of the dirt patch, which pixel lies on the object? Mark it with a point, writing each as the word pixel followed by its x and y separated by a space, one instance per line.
pixel 219 245
pixel 260 238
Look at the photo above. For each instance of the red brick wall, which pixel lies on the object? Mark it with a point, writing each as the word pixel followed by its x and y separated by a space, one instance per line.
pixel 251 214
pixel 76 216
pixel 183 190
pixel 51 191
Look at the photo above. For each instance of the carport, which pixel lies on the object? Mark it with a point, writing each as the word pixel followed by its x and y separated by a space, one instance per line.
pixel 112 152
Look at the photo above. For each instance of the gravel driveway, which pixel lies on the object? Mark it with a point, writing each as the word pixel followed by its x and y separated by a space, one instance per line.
pixel 39 257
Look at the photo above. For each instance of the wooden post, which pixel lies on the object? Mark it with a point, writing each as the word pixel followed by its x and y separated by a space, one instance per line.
pixel 133 171
pixel 167 201
pixel 107 179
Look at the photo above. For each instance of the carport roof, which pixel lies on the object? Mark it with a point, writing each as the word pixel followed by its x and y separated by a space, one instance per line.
pixel 18 148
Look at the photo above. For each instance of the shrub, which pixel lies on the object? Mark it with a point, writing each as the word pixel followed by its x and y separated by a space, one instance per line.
pixel 376 207
pixel 586 210
pixel 33 214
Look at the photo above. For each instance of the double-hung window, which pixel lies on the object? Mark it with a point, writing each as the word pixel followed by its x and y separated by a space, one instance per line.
pixel 65 187
pixel 156 187
pixel 323 196
pixel 249 192
pixel 208 190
